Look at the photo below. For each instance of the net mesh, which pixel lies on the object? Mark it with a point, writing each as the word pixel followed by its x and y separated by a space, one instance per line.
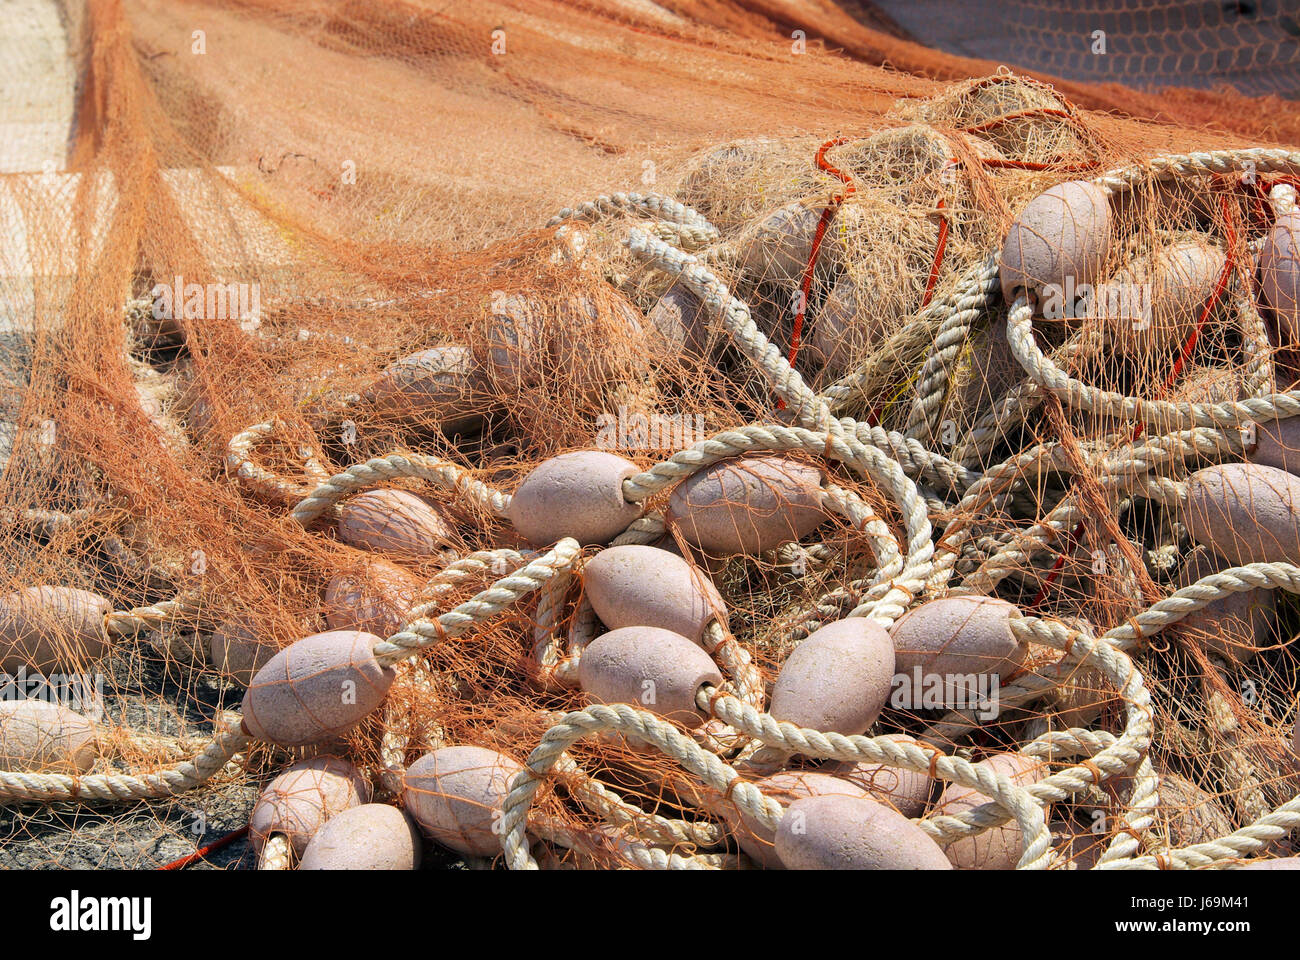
pixel 265 205
pixel 1147 44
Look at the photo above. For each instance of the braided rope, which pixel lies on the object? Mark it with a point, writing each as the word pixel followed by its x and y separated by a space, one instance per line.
pixel 678 224
pixel 441 473
pixel 856 384
pixel 972 300
pixel 123 623
pixel 1199 164
pixel 867 460
pixel 239 461
pixel 1163 414
pixel 57 787
pixel 422 632
pixel 735 661
pixel 724 779
pixel 547 655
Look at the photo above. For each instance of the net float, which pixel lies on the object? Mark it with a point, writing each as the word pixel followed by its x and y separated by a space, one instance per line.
pixel 1153 304
pixel 577 495
pixel 904 790
pixel 441 386
pixel 603 312
pixel 633 585
pixel 951 643
pixel 374 599
pixel 681 322
pixel 1061 235
pixel 456 794
pixel 298 802
pixel 989 372
pixel 777 247
pixel 1188 814
pixel 531 340
pixel 1245 512
pixel 394 521
pixel 758 842
pixel 853 833
pixel 316 689
pixel 1279 273
pixel 1276 443
pixel 746 505
pixel 37 736
pixel 516 337
pixel 1230 626
pixel 236 650
pixel 1001 847
pixel 598 339
pixel 372 836
pixel 838 679
pixel 1281 863
pixel 648 667
pixel 45 628
pixel 720 181
pixel 837 335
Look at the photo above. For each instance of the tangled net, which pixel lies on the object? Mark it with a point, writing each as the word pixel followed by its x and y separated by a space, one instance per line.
pixel 357 457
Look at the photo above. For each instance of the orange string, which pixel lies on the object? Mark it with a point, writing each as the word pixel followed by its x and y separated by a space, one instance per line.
pixel 1230 230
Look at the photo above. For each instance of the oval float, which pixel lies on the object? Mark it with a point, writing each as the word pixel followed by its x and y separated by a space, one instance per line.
pixel 316 689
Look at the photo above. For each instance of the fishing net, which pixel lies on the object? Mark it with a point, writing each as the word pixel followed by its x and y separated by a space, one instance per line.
pixel 1146 44
pixel 322 287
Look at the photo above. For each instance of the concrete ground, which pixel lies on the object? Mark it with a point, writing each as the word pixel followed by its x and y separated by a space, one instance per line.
pixel 37 87
pixel 38 80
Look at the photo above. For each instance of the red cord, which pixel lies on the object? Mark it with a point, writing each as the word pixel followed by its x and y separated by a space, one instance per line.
pixel 1018 115
pixel 805 287
pixel 202 852
pixel 939 248
pixel 1068 113
pixel 1215 296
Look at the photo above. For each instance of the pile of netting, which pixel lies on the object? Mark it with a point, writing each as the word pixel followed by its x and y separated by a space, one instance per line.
pixel 914 497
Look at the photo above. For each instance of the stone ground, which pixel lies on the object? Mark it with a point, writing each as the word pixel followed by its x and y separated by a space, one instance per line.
pixel 141 694
pixel 37 87
pixel 37 96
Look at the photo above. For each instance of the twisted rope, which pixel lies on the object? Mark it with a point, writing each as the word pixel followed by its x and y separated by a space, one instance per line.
pixel 441 473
